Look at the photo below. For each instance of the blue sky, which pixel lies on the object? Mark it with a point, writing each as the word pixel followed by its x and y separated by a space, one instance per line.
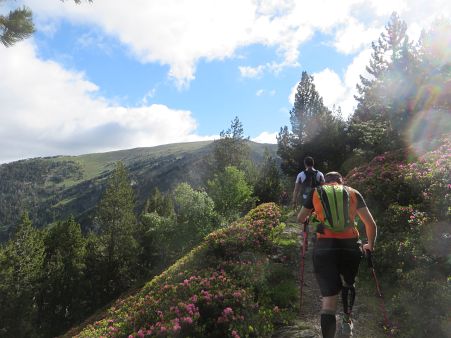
pixel 122 74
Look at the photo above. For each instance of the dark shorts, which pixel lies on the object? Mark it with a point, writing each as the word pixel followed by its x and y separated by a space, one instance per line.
pixel 335 261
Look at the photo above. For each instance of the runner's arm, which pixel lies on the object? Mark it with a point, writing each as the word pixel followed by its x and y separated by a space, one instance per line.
pixel 303 214
pixel 370 227
pixel 297 188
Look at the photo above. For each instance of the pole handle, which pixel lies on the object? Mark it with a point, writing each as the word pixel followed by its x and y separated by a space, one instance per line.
pixel 306 223
pixel 369 258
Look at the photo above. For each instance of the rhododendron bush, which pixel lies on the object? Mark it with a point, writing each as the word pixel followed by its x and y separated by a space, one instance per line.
pixel 410 198
pixel 218 289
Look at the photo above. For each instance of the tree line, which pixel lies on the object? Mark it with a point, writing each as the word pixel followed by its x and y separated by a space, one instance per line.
pixel 404 95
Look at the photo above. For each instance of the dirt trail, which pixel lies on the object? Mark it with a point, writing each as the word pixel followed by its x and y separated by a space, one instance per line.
pixel 308 324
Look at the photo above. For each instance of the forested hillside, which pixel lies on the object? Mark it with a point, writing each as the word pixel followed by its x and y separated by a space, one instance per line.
pixel 54 188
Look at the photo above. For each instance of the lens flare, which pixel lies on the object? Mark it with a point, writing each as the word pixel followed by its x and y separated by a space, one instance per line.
pixel 425 127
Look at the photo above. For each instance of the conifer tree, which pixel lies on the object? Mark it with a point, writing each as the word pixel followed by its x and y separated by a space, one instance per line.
pixel 308 109
pixel 232 148
pixel 118 226
pixel 386 94
pixel 160 203
pixel 310 121
pixel 268 185
pixel 20 271
pixel 386 51
pixel 17 25
pixel 62 296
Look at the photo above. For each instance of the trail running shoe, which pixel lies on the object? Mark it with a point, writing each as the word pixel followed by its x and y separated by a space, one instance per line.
pixel 346 328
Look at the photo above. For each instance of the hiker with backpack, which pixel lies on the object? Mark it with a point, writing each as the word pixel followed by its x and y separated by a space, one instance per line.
pixel 306 181
pixel 337 252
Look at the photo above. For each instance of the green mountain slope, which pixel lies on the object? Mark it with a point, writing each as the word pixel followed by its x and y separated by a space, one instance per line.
pixel 53 188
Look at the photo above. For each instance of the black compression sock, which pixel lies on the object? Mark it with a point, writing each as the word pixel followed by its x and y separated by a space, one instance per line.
pixel 328 324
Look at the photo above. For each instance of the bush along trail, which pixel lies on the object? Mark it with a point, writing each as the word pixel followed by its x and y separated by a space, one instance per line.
pixel 242 281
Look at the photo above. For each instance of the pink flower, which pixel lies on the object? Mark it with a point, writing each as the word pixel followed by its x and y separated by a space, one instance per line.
pixel 227 311
pixel 176 327
pixel 187 320
pixel 193 299
pixel 191 308
pixel 235 334
pixel 237 294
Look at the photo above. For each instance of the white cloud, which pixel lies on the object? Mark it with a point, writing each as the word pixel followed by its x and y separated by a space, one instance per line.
pixel 263 92
pixel 251 72
pixel 340 92
pixel 369 18
pixel 204 29
pixel 353 36
pixel 180 33
pixel 266 137
pixel 273 67
pixel 48 110
pixel 386 7
pixel 329 86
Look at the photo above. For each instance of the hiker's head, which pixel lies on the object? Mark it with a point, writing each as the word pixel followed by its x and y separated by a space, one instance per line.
pixel 333 177
pixel 308 162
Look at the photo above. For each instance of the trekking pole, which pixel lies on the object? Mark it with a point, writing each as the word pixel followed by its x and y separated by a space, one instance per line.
pixel 369 258
pixel 303 249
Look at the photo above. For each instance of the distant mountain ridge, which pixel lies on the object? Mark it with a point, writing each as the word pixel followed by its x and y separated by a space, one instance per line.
pixel 53 188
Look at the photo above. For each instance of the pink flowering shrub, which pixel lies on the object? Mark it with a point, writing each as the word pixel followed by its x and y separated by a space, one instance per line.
pixel 411 202
pixel 217 290
pixel 390 178
pixel 250 233
pixel 381 182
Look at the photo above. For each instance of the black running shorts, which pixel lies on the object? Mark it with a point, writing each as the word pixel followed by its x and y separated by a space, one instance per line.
pixel 335 261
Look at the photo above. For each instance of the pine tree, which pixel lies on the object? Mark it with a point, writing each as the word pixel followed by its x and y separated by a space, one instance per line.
pixel 160 203
pixel 232 148
pixel 385 95
pixel 118 225
pixel 309 119
pixel 18 25
pixel 308 109
pixel 268 186
pixel 62 297
pixel 20 271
